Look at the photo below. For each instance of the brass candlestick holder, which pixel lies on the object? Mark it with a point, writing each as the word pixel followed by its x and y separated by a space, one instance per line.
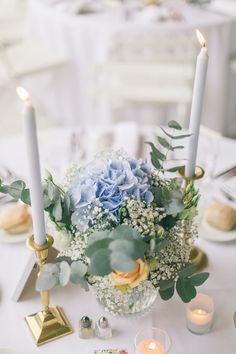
pixel 50 323
pixel 197 256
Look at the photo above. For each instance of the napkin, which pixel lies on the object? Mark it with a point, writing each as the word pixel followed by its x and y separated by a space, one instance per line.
pixel 230 186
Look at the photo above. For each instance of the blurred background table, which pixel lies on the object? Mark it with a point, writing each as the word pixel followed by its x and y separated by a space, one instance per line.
pixel 93 41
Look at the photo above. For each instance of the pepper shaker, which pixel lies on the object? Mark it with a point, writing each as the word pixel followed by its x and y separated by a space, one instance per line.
pixel 102 328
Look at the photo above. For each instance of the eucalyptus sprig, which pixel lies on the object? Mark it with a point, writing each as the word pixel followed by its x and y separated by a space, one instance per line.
pixel 159 154
pixel 116 250
pixel 185 285
pixel 56 200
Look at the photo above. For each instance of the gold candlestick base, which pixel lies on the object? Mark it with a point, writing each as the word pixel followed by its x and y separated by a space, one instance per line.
pixel 50 323
pixel 197 256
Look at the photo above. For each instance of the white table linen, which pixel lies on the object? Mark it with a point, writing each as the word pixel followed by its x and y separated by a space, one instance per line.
pixel 55 151
pixel 86 39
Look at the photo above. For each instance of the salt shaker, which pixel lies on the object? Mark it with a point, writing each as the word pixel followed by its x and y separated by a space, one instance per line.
pixel 103 329
pixel 85 328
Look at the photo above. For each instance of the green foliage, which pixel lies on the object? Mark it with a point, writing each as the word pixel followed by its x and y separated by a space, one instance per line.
pixel 190 200
pixel 116 250
pixel 17 190
pixel 185 284
pixel 158 157
pixel 61 273
pixel 169 198
pixel 56 201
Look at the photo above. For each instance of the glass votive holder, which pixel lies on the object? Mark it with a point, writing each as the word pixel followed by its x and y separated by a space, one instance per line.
pixel 199 314
pixel 152 341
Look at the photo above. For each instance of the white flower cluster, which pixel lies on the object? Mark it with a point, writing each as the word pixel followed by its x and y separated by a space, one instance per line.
pixel 176 255
pixel 142 217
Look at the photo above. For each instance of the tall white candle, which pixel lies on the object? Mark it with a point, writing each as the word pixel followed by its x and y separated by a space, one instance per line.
pixel 35 184
pixel 197 104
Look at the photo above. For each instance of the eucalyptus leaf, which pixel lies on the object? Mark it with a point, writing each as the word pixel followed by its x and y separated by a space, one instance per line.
pixel 64 258
pixel 178 147
pixel 67 203
pixel 46 282
pixel 46 201
pixel 64 275
pixel 175 137
pixel 173 169
pixel 15 189
pixel 84 284
pixel 53 191
pixel 169 222
pixel 57 211
pixel 122 262
pixel 78 272
pixel 163 142
pixel 25 196
pixel 167 284
pixel 125 232
pixel 199 279
pixel 185 289
pixel 100 263
pixel 175 125
pixel 188 270
pixel 158 154
pixel 79 268
pixel 97 236
pixel 96 245
pixel 122 245
pixel 167 294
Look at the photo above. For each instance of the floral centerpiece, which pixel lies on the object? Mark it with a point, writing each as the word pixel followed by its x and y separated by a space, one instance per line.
pixel 123 228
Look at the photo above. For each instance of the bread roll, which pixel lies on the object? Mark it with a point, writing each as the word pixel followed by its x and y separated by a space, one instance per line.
pixel 221 216
pixel 15 218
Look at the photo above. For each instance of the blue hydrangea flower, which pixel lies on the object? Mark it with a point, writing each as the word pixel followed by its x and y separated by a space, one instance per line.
pixel 106 183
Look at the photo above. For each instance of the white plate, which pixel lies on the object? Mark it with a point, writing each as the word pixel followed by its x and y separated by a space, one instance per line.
pixel 210 233
pixel 14 238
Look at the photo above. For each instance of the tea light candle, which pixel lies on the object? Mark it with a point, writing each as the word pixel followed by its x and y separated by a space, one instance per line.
pixel 152 341
pixel 150 346
pixel 199 313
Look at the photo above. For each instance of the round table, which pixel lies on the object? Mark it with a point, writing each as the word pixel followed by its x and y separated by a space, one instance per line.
pixel 86 40
pixel 54 147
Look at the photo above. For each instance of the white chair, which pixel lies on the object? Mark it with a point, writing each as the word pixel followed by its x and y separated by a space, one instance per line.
pixel 152 71
pixel 26 58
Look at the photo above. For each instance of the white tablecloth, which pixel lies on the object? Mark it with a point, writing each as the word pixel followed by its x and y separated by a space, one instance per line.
pixel 86 39
pixel 54 147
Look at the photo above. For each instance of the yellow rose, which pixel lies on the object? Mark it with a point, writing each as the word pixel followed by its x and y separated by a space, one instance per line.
pixel 133 278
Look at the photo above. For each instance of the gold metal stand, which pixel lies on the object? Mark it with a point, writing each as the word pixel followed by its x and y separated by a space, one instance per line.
pixel 197 256
pixel 50 323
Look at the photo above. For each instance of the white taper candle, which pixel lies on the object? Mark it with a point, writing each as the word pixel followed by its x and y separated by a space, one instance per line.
pixel 197 104
pixel 35 184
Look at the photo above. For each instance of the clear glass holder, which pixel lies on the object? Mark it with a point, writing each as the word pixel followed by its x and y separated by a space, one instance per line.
pixel 152 341
pixel 199 314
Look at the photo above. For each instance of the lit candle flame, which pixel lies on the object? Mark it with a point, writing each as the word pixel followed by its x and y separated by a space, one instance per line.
pixel 23 94
pixel 152 346
pixel 201 38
